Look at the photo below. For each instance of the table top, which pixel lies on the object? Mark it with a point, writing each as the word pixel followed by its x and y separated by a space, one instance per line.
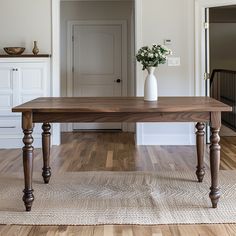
pixel 122 104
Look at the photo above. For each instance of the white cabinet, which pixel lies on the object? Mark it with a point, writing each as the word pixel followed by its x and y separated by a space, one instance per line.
pixel 21 80
pixel 8 88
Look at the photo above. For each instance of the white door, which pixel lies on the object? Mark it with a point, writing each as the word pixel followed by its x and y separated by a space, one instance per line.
pixel 97 65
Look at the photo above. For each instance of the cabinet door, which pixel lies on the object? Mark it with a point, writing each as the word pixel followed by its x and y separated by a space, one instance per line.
pixel 8 88
pixel 21 80
pixel 33 81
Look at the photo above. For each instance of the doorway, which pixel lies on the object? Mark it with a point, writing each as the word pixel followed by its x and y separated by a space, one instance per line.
pixel 97 38
pixel 103 44
pixel 221 62
pixel 202 46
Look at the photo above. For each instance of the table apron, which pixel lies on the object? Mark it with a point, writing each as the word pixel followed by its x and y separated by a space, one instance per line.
pixel 106 117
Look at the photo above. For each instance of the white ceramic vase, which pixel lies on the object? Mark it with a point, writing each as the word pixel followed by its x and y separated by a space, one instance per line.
pixel 150 87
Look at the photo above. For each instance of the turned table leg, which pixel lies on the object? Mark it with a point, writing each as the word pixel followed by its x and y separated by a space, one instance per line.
pixel 28 155
pixel 46 143
pixel 200 151
pixel 215 158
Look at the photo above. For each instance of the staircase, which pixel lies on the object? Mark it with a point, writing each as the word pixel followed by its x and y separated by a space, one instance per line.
pixel 223 88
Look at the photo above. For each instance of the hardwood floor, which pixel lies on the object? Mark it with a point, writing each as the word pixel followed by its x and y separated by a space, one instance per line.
pixel 117 152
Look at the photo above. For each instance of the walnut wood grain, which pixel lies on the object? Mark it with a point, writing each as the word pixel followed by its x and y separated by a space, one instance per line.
pixel 122 109
pixel 200 151
pixel 46 143
pixel 122 104
pixel 24 55
pixel 28 155
pixel 215 157
pixel 57 117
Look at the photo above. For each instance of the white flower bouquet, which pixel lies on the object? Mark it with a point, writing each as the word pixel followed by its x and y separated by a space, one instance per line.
pixel 152 57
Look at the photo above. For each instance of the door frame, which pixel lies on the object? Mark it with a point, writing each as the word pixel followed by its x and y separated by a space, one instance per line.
pixel 55 64
pixel 124 57
pixel 200 44
pixel 55 61
pixel 124 53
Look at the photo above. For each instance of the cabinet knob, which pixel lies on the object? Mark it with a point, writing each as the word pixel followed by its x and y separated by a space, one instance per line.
pixel 14 69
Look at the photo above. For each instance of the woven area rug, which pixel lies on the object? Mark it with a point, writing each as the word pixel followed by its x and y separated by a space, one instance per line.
pixel 93 198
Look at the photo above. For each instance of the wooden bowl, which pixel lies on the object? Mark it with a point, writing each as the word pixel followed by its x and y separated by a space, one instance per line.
pixel 14 50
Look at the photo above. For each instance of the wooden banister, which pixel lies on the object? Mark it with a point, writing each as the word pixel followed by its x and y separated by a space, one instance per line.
pixel 220 71
pixel 223 88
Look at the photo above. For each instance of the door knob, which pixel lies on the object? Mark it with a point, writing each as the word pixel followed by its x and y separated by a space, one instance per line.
pixel 118 81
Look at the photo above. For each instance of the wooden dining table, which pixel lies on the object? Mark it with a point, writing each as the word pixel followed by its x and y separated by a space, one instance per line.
pixel 47 110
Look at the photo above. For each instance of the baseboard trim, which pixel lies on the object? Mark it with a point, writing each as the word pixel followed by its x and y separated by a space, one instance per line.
pixel 16 142
pixel 167 140
pixel 141 138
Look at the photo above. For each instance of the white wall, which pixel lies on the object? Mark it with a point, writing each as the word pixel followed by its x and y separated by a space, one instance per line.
pixel 161 19
pixel 94 11
pixel 23 21
pixel 170 19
